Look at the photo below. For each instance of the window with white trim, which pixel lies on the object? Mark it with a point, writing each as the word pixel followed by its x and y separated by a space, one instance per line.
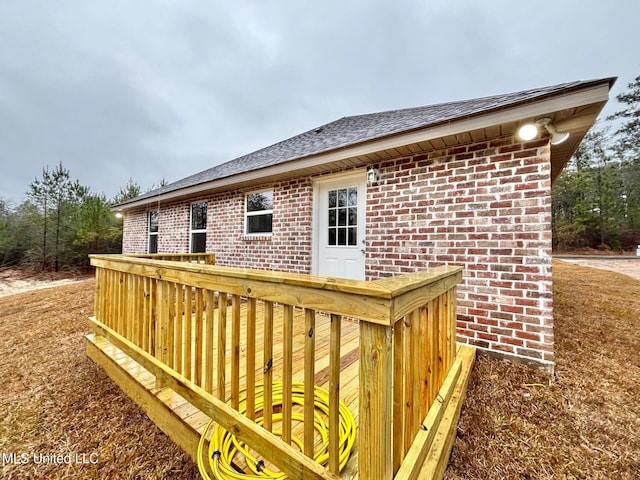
pixel 258 213
pixel 198 235
pixel 154 220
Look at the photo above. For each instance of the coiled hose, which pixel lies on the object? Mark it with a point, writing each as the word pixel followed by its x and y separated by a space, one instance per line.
pixel 223 446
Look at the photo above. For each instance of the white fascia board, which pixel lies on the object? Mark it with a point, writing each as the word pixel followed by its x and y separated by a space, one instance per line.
pixel 595 94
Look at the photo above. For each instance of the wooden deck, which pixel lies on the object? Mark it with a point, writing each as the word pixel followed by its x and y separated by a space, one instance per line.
pixel 188 340
pixel 184 422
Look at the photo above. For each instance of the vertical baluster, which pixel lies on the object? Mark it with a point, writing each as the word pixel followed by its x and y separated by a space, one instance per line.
pixel 416 376
pixel 235 351
pixel 251 358
pixel 153 314
pixel 433 347
pixel 146 313
pixel 162 320
pixel 268 363
pixel 188 315
pixel 118 303
pixel 130 306
pixel 309 380
pixel 334 394
pixel 209 348
pixel 139 310
pixel 408 379
pixel 287 372
pixel 171 324
pixel 453 318
pixel 97 299
pixel 179 363
pixel 222 345
pixel 198 340
pixel 425 362
pixel 442 340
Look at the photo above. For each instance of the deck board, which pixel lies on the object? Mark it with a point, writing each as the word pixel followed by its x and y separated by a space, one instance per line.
pixel 195 421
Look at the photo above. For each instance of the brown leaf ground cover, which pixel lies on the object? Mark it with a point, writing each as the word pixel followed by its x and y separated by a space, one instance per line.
pixel 584 423
pixel 54 400
pixel 516 423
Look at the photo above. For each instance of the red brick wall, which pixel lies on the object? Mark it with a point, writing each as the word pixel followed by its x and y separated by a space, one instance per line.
pixel 135 228
pixel 287 249
pixel 484 206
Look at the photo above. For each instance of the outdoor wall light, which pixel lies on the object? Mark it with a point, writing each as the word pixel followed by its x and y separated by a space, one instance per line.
pixel 529 131
pixel 119 215
pixel 372 175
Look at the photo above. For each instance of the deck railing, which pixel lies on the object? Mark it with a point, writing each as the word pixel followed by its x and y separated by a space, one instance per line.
pixel 173 318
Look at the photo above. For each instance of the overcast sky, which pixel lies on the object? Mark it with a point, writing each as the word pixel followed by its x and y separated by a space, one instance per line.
pixel 164 89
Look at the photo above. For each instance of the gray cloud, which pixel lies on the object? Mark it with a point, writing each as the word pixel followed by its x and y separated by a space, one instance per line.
pixel 152 89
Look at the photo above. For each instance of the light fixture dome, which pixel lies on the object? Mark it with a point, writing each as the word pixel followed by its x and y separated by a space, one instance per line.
pixel 528 131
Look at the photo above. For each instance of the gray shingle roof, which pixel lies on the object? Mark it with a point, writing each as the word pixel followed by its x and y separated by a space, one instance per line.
pixel 349 131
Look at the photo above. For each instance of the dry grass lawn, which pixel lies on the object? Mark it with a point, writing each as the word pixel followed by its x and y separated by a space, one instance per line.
pixel 585 423
pixel 515 422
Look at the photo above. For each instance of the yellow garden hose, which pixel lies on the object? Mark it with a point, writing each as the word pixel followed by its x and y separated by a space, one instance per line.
pixel 223 446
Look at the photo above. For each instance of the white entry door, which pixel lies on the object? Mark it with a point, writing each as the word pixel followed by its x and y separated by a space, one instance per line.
pixel 339 226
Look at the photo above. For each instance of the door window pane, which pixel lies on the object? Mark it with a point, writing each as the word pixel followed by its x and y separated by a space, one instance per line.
pixel 343 217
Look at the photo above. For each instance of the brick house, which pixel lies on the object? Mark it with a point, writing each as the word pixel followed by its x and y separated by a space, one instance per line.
pixel 387 193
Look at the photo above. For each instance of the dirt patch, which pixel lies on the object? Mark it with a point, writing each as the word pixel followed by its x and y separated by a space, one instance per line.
pixel 14 281
pixel 629 267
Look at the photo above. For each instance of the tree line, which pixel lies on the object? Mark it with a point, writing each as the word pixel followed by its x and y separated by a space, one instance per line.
pixel 60 223
pixel 596 199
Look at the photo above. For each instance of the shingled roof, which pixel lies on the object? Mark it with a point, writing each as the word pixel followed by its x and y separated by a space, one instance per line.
pixel 349 131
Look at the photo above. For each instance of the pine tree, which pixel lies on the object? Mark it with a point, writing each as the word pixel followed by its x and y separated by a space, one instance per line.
pixel 627 146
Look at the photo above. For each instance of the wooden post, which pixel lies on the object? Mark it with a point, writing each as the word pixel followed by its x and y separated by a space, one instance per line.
pixel 376 401
pixel 399 361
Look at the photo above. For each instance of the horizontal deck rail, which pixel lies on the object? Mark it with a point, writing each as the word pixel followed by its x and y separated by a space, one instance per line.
pixel 182 321
pixel 206 258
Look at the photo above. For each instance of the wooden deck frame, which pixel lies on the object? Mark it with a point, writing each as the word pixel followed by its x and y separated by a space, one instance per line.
pixel 406 357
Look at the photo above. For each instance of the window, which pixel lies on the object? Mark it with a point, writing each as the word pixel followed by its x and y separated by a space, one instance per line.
pixel 343 217
pixel 199 227
pixel 259 213
pixel 154 217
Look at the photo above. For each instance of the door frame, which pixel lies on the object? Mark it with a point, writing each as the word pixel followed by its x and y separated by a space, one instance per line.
pixel 360 176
